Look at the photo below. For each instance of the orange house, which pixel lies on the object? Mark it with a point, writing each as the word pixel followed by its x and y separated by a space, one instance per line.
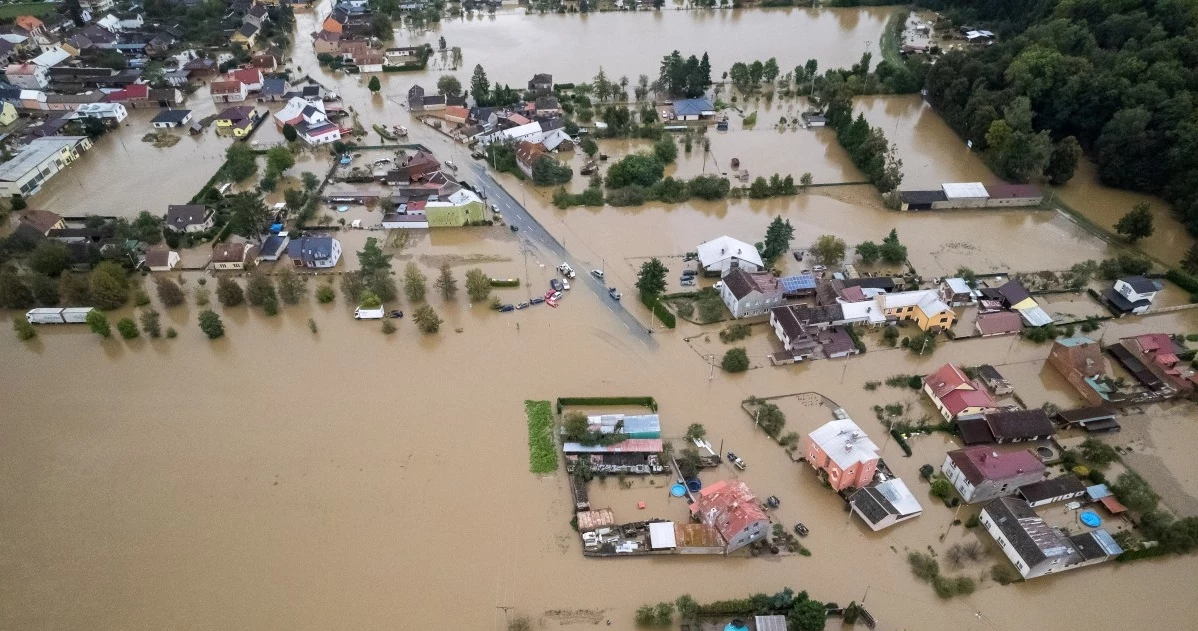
pixel 843 454
pixel 331 25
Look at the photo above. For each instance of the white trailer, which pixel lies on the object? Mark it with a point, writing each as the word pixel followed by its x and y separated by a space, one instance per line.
pixel 76 315
pixel 45 316
pixel 368 314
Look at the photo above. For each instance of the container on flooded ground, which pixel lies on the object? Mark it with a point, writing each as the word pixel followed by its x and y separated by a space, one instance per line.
pixel 69 315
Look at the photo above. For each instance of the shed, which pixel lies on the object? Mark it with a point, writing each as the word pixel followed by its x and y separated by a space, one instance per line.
pixel 1098 418
pixel 1053 490
pixel 1013 195
pixel 920 200
pixel 770 623
pixel 661 535
pixel 594 519
pixel 964 195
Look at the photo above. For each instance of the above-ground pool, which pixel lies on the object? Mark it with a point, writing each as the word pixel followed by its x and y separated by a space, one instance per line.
pixel 1091 519
pixel 678 490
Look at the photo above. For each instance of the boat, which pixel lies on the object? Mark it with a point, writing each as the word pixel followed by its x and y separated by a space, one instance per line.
pixel 615 295
pixel 736 461
pixel 801 530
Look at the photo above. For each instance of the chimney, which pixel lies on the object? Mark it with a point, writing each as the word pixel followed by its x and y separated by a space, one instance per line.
pixel 848 446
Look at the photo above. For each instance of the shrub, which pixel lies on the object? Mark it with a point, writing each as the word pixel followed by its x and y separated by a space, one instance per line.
pixel 141 298
pixel 23 329
pixel 735 360
pixel 972 522
pixel 923 565
pixel 98 323
pixel 941 488
pixel 150 324
pixel 127 328
pixel 735 332
pixel 210 324
pixel 388 328
pixel 169 292
pixel 325 294
pixel 1003 573
pixel 426 318
pixel 229 292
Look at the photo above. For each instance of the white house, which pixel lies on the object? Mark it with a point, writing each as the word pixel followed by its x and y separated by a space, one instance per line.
pixel 189 217
pixel 747 294
pixel 51 56
pixel 314 252
pixel 981 473
pixel 109 23
pixel 161 259
pixel 531 132
pixel 107 112
pixel 28 76
pixel 309 120
pixel 171 118
pixel 41 158
pixel 1035 547
pixel 721 254
pixel 884 505
pixel 1132 294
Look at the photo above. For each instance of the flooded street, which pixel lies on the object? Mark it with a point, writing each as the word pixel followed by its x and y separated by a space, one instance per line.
pixel 281 479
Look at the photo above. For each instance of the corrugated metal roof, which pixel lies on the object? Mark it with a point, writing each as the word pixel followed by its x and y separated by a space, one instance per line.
pixel 959 190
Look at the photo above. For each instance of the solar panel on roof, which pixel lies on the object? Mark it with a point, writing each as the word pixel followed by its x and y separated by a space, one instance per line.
pixel 795 283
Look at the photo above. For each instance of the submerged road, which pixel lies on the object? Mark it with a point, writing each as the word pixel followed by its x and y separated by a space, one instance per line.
pixel 532 232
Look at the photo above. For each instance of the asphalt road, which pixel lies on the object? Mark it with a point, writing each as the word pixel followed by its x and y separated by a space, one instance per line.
pixel 534 235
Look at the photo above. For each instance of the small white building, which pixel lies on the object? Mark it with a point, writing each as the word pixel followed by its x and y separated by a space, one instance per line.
pixel 171 118
pixel 39 161
pixel 886 504
pixel 161 259
pixel 28 76
pixel 965 194
pixel 108 112
pixel 721 254
pixel 314 252
pixel 1133 294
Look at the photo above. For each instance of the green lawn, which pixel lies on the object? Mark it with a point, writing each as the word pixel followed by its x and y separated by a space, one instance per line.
pixel 10 11
pixel 542 451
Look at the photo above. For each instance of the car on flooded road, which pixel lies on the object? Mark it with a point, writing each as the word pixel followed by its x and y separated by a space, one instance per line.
pixel 565 284
pixel 522 305
pixel 536 300
pixel 555 284
pixel 597 273
pixel 506 308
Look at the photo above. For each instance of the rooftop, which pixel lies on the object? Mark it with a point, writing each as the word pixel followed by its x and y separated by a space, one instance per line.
pixel 35 152
pixel 728 506
pixel 171 116
pixel 1053 487
pixel 845 443
pixel 1142 285
pixel 1002 190
pixel 998 322
pixel 982 463
pixel 725 247
pixel 692 107
pixel 958 190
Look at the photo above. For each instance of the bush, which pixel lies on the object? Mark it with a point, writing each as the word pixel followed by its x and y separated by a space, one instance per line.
pixel 735 360
pixel 1183 279
pixel 902 442
pixel 150 324
pixel 1003 573
pixel 325 294
pixel 23 329
pixel 210 324
pixel 735 332
pixel 98 323
pixel 229 292
pixel 973 522
pixel 388 328
pixel 542 452
pixel 127 328
pixel 923 565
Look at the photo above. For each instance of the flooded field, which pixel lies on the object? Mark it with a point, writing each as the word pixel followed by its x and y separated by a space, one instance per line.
pixel 280 479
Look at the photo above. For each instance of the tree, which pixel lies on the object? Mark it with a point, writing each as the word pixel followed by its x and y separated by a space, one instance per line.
pixel 73 289
pixel 688 609
pixel 771 418
pixel 479 87
pixel 426 318
pixel 170 294
pixel 448 85
pixel 380 27
pixel 50 257
pixel 651 279
pixel 14 294
pixel 211 324
pixel 127 328
pixel 891 250
pixel 665 149
pixel 769 70
pixel 150 324
pixel 370 300
pixel 311 182
pixel 805 180
pixel 249 217
pixel 478 285
pixel 638 168
pixel 292 286
pixel 663 614
pixel 546 171
pixel 1098 453
pixel 1063 161
pixel 777 239
pixel 941 488
pixel 289 133
pixel 828 250
pixel 807 615
pixel 869 252
pixel 43 288
pixel 414 283
pixel 382 284
pixel 228 292
pixel 23 329
pixel 696 431
pixel 371 257
pixel 1135 493
pixel 446 283
pixel 98 323
pixel 1137 223
pixel 240 162
pixel 325 294
pixel 109 285
pixel 589 146
pixel 374 86
pixel 735 360
pixel 261 290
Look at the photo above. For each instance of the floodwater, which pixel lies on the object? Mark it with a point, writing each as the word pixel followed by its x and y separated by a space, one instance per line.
pixel 280 479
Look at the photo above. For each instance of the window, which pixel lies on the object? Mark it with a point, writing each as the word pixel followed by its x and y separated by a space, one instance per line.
pixel 1002 543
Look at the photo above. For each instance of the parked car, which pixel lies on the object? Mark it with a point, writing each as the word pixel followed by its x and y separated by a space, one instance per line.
pixel 565 284
pixel 615 295
pixel 536 300
pixel 597 273
pixel 555 284
pixel 689 272
pixel 736 461
pixel 687 281
pixel 566 270
pixel 798 255
pixel 523 305
pixel 508 308
pixel 515 229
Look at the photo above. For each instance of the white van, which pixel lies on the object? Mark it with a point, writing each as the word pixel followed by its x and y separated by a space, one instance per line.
pixel 369 314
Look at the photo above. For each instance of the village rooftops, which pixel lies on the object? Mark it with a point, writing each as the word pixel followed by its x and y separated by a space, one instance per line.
pixel 890 498
pixel 844 443
pixel 729 506
pixel 742 283
pixel 982 463
pixel 171 116
pixel 1005 426
pixel 999 323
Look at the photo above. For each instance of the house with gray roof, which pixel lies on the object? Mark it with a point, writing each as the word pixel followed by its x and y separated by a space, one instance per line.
pixel 1035 547
pixel 320 252
pixel 884 505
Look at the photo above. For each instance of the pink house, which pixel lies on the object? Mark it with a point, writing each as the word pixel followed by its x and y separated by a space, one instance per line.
pixel 845 455
pixel 731 508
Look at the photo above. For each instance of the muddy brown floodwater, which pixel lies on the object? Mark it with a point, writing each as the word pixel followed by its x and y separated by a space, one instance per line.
pixel 280 479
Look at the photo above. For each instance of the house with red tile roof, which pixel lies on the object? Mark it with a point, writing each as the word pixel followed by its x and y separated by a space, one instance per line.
pixel 228 91
pixel 730 507
pixel 1158 353
pixel 983 473
pixel 954 393
pixel 998 323
pixel 251 77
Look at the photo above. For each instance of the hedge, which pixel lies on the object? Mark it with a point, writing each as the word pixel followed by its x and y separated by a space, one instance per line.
pixel 648 402
pixel 1183 279
pixel 902 442
pixel 504 282
pixel 736 607
pixel 659 310
pixel 1142 553
pixel 387 68
pixel 542 453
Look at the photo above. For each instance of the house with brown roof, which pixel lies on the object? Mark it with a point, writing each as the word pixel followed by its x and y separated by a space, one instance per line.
pixel 228 91
pixel 1003 195
pixel 39 223
pixel 189 217
pixel 981 473
pixel 748 294
pixel 730 507
pixel 1157 362
pixel 233 256
pixel 954 393
pixel 527 153
pixel 161 259
pixel 327 42
pixel 998 323
pixel 1079 360
pixel 1005 426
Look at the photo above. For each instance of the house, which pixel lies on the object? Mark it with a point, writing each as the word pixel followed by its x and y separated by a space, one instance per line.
pixel 994 380
pixel 8 114
pixel 721 254
pixel 1036 548
pixel 455 114
pixel 548 106
pixel 557 140
pixel 327 42
pixel 39 223
pixel 405 221
pixel 39 161
pixel 794 325
pixel 730 507
pixel 228 91
pixel 1093 419
pixel 233 256
pixel 693 109
pixel 314 252
pixel 408 56
pixel 979 473
pixel 28 76
pixel 924 306
pixel 110 23
pixel 309 120
pixel 251 77
pixel 1012 295
pixel 750 294
pixel 842 454
pixel 541 84
pixel 1003 195
pixel 238 121
pixel 954 393
pixel 161 259
pixel 110 113
pixel 256 15
pixel 36 29
pixel 274 89
pixel 956 292
pixel 527 154
pixel 1079 360
pixel 1131 294
pixel 1052 490
pixel 884 505
pixel 415 167
pixel 371 62
pixel 922 200
pixel 1005 426
pixel 530 132
pixel 171 118
pixel 201 68
pixel 998 323
pixel 50 57
pixel 1158 363
pixel 247 35
pixel 814 119
pixel 189 217
pixel 274 246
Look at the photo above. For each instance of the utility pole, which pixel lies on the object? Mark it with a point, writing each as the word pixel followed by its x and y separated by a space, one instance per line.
pixel 711 360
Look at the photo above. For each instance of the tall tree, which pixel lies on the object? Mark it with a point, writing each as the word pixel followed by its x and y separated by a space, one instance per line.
pixel 211 324
pixel 446 283
pixel 1063 161
pixel 170 294
pixel 828 249
pixel 372 258
pixel 448 85
pixel 109 285
pixel 374 86
pixel 249 217
pixel 478 285
pixel 480 87
pixel 14 293
pixel 414 283
pixel 651 279
pixel 1137 223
